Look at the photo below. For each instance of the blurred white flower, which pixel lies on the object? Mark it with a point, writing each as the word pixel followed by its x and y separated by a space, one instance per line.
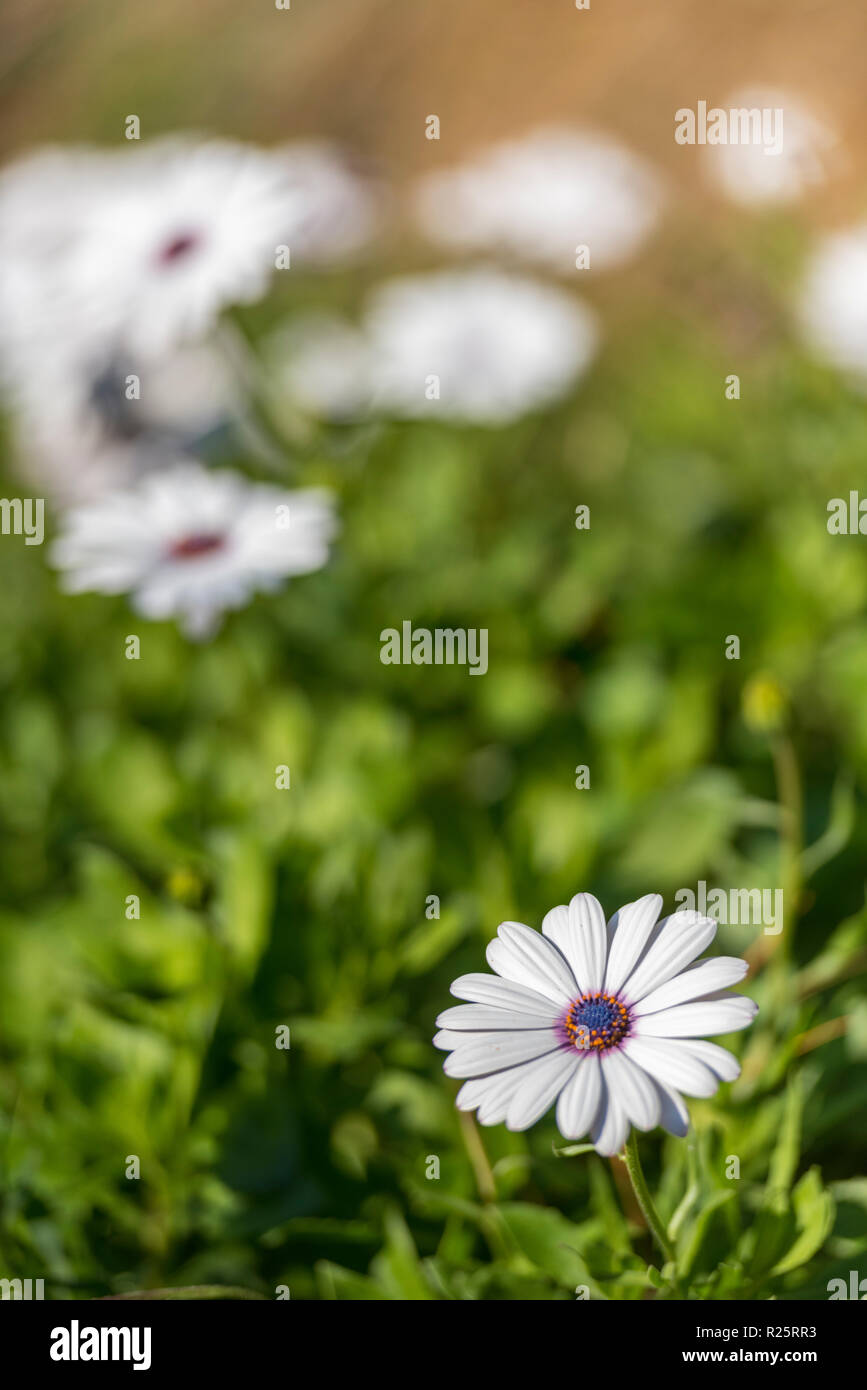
pixel 190 544
pixel 323 363
pixel 141 248
pixel 44 208
pixel 604 1020
pixel 543 196
pixel 77 436
pixel 339 211
pixel 499 344
pixel 478 345
pixel 833 305
pixel 749 176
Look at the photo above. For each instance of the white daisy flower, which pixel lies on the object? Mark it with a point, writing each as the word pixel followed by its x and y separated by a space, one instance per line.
pixel 189 543
pixel 480 346
pixel 147 245
pixel 339 211
pixel 79 435
pixel 605 1020
pixel 805 158
pixel 833 304
pixel 45 201
pixel 188 228
pixel 543 196
pixel 323 364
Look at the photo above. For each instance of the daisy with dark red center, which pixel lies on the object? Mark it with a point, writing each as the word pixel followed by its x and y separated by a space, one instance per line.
pixel 191 543
pixel 138 249
pixel 186 228
pixel 605 1020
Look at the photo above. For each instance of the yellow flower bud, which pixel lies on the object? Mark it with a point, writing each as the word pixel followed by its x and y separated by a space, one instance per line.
pixel 764 704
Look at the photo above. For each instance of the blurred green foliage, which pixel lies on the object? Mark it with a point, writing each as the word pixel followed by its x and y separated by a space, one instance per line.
pixel 261 908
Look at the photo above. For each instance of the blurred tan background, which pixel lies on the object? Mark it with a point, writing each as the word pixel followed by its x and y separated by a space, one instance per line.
pixel 369 71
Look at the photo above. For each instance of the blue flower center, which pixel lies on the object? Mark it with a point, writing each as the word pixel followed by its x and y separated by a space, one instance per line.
pixel 597 1021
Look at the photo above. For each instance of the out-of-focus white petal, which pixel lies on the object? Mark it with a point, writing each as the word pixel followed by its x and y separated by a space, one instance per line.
pixel 542 195
pixel 495 345
pixel 833 305
pixel 760 172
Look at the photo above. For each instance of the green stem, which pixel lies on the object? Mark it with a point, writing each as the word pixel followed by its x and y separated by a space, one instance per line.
pixel 642 1193
pixel 790 797
pixel 258 429
pixel 491 1221
pixel 481 1166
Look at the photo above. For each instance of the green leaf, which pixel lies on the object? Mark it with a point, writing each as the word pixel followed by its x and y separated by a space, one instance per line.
pixel 398 1269
pixel 814 1213
pixel 246 891
pixel 550 1242
pixel 708 1239
pixel 784 1160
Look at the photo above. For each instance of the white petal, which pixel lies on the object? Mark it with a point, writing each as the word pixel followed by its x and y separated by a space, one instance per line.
pixel 579 1099
pixel 721 1062
pixel 493 1094
pixel 477 1053
pixel 490 989
pixel 673 1114
pixel 491 1099
pixel 579 931
pixel 610 1127
pixel 538 1091
pixel 681 937
pixel 494 1108
pixel 525 957
pixel 694 1020
pixel 629 930
pixel 698 980
pixel 472 1092
pixel 589 935
pixel 633 1088
pixel 673 1064
pixel 466 1017
pixel 490 1095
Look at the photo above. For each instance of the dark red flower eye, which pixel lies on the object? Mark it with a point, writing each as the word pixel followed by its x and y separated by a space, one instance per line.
pixel 190 547
pixel 178 248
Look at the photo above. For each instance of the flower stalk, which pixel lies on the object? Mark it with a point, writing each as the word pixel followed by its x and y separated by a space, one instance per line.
pixel 643 1197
